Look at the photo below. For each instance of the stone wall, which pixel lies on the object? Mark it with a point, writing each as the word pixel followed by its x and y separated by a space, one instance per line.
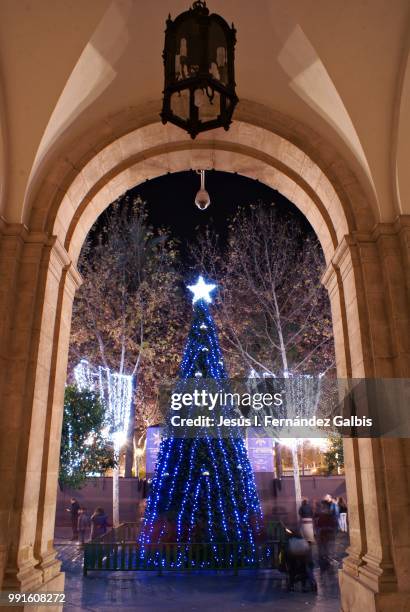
pixel 98 492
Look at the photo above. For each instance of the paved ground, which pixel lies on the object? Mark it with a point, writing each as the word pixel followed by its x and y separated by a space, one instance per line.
pixel 197 592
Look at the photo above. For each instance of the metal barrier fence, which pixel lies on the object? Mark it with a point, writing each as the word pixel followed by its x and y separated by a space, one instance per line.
pixel 125 532
pixel 117 550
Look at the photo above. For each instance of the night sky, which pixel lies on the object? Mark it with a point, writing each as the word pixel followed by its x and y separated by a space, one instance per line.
pixel 170 203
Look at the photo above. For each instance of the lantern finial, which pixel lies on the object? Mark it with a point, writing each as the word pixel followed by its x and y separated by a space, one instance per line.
pixel 199 4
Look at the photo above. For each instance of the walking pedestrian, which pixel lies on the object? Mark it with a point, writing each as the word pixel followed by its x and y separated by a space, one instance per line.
pixel 306 521
pixel 74 509
pixel 83 524
pixel 99 523
pixel 325 533
pixel 342 514
pixel 333 504
pixel 299 563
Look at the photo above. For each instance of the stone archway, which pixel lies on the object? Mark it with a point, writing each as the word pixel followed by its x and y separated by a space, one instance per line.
pixel 38 264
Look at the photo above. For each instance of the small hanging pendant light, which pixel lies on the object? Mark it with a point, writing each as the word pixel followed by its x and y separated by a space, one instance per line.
pixel 202 199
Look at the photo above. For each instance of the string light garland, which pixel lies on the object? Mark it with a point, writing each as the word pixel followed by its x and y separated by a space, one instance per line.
pixel 203 489
pixel 115 391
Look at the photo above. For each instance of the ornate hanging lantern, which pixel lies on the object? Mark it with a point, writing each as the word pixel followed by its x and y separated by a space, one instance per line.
pixel 199 92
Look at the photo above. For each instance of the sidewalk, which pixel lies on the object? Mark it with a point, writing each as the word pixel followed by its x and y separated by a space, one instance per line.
pixel 251 591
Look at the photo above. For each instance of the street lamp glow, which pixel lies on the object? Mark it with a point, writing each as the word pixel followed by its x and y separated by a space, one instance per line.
pixel 321 444
pixel 90 440
pixel 119 438
pixel 105 432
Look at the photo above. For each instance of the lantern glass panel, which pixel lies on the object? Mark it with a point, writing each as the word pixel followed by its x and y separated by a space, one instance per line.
pixel 209 107
pixel 217 53
pixel 180 104
pixel 188 50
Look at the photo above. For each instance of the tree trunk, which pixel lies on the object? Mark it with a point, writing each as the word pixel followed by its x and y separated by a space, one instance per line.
pixel 129 444
pixel 278 460
pixel 295 459
pixel 296 477
pixel 115 496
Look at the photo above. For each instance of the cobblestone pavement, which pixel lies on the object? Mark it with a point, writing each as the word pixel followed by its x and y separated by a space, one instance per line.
pixel 195 592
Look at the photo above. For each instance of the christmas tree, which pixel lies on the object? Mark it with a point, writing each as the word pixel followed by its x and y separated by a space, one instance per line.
pixel 203 489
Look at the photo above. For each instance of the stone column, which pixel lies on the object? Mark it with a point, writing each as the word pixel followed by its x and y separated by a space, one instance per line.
pixel 11 244
pixel 38 285
pixel 337 281
pixel 369 291
pixel 43 548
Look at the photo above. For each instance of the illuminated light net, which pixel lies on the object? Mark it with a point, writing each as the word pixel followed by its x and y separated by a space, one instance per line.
pixel 203 489
pixel 115 392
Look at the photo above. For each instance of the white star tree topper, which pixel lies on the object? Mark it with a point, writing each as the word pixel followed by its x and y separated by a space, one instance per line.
pixel 202 290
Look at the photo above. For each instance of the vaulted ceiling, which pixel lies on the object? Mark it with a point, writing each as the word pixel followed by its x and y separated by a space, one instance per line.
pixel 341 68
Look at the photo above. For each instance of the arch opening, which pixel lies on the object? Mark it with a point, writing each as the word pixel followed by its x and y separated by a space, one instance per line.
pixel 83 183
pixel 75 194
pixel 173 181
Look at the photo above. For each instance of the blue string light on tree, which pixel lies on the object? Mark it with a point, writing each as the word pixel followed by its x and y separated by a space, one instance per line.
pixel 203 489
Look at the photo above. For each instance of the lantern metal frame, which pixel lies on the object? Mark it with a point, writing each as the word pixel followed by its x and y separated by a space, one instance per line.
pixel 203 79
